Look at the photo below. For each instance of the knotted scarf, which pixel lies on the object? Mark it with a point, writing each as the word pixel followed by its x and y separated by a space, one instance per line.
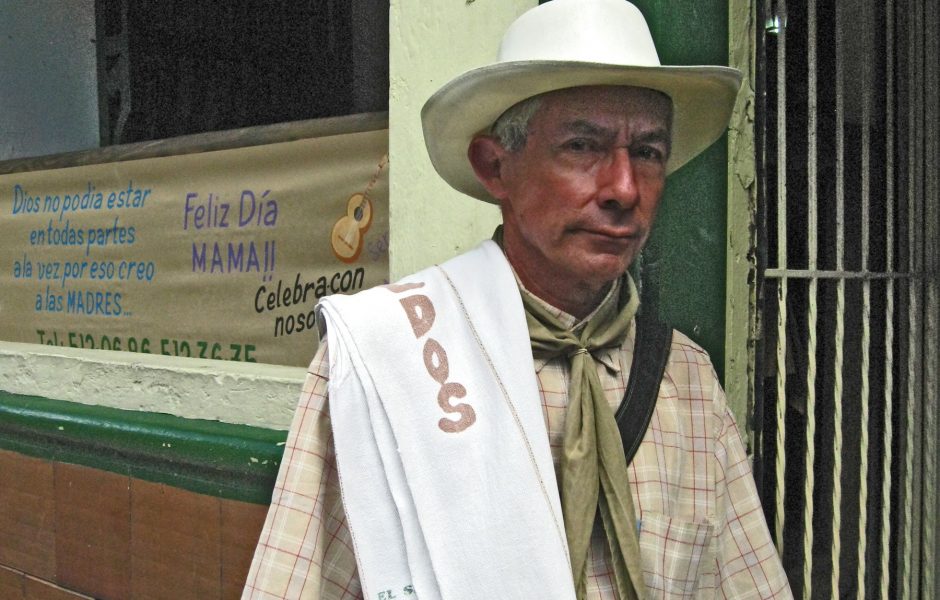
pixel 593 467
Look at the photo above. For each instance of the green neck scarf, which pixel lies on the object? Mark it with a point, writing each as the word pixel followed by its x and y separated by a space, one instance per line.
pixel 593 467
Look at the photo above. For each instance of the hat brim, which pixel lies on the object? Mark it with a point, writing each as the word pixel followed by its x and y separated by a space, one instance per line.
pixel 703 98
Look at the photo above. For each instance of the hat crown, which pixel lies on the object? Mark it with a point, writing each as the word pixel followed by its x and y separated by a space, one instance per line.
pixel 594 31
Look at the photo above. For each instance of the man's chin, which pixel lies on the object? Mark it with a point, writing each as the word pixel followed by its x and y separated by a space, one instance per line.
pixel 601 270
pixel 607 252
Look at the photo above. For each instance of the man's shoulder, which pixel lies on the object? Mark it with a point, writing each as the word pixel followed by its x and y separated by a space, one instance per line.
pixel 690 373
pixel 685 347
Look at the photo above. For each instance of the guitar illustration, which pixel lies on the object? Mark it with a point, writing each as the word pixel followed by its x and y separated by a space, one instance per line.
pixel 347 235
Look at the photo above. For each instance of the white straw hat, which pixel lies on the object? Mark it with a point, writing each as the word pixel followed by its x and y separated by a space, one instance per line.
pixel 571 43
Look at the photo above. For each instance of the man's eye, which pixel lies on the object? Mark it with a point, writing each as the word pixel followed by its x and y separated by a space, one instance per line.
pixel 580 145
pixel 649 153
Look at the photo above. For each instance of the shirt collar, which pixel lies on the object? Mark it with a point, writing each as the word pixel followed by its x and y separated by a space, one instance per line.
pixel 607 357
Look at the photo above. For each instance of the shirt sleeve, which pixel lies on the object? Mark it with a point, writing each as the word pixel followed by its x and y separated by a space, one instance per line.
pixel 305 550
pixel 748 563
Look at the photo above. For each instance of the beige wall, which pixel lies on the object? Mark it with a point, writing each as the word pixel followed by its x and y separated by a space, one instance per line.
pixel 430 43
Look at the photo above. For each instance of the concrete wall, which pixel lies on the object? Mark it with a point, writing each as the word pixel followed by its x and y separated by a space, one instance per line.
pixel 233 392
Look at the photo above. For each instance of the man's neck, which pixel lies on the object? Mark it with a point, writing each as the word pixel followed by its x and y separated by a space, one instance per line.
pixel 568 320
pixel 577 297
pixel 577 304
pixel 574 299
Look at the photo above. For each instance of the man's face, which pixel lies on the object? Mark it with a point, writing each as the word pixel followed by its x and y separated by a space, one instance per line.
pixel 579 199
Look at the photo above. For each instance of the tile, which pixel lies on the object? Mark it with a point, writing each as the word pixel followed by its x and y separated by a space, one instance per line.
pixel 27 514
pixel 93 531
pixel 175 543
pixel 241 527
pixel 37 589
pixel 12 584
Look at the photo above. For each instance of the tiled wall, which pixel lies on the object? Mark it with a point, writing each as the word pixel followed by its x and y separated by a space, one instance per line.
pixel 69 531
pixel 15 585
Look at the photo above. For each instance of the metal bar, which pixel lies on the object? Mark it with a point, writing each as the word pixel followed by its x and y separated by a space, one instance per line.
pixel 812 309
pixel 913 499
pixel 864 393
pixel 823 274
pixel 809 487
pixel 839 341
pixel 781 460
pixel 890 199
pixel 886 514
pixel 931 224
pixel 916 400
pixel 781 404
pixel 909 396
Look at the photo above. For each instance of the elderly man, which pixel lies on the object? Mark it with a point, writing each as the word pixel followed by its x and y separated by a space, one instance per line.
pixel 470 448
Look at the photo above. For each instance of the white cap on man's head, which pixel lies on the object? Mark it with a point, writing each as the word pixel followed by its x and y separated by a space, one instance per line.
pixel 572 43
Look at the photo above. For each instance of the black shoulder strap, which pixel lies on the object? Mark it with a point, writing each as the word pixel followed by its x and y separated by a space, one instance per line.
pixel 650 355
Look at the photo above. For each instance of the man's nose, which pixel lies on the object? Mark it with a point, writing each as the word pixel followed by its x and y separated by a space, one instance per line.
pixel 617 180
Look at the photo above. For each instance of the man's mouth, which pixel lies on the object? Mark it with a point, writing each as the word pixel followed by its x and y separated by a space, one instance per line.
pixel 613 234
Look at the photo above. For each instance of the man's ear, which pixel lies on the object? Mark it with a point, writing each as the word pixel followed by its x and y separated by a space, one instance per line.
pixel 486 156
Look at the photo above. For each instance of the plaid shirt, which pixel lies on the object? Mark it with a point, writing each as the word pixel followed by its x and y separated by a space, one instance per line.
pixel 702 530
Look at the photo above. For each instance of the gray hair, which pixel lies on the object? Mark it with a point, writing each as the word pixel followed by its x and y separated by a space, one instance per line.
pixel 512 127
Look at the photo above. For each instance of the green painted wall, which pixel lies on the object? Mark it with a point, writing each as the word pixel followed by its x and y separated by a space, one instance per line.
pixel 208 457
pixel 685 258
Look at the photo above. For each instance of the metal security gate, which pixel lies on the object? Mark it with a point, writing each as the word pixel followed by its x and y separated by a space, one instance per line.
pixel 847 387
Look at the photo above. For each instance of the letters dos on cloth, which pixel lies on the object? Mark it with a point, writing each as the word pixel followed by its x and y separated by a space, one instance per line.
pixel 443 457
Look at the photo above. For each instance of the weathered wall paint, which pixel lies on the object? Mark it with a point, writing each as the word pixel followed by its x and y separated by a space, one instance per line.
pixel 740 307
pixel 240 393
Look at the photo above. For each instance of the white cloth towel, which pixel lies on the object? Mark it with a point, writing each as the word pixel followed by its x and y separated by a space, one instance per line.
pixel 443 456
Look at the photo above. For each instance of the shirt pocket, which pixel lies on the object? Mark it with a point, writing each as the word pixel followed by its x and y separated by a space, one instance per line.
pixel 678 557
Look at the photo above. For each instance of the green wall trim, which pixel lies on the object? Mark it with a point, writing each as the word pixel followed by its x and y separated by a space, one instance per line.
pixel 236 462
pixel 683 264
